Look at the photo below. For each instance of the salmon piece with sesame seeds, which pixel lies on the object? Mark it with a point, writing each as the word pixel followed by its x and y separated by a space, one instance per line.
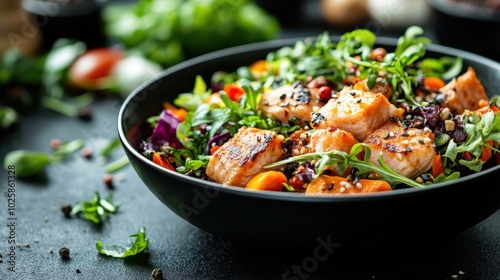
pixel 409 152
pixel 358 112
pixel 244 156
pixel 291 103
pixel 464 93
pixel 336 185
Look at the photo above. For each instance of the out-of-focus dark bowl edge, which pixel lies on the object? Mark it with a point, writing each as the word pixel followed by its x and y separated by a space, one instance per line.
pixel 255 217
pixel 476 30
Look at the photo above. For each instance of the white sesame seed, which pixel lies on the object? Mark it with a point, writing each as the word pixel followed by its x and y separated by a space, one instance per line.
pixel 405 142
pixel 359 185
pixel 412 132
pixel 303 150
pixel 343 183
pixel 427 140
pixel 426 129
pixel 296 152
pixel 281 137
pixel 342 189
pixel 419 180
pixel 414 141
pixel 303 135
pixel 391 134
pixel 399 156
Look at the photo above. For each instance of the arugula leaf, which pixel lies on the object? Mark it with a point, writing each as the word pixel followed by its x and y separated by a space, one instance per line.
pixel 96 208
pixel 140 244
pixel 410 40
pixel 192 100
pixel 341 161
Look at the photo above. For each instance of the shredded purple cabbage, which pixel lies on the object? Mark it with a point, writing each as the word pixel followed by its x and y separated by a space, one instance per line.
pixel 219 140
pixel 431 115
pixel 164 131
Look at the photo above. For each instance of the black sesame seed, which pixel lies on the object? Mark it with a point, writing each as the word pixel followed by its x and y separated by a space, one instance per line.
pixel 405 134
pixel 408 149
pixel 296 84
pixel 330 187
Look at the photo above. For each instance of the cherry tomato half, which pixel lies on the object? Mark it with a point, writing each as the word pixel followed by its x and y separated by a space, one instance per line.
pixel 93 65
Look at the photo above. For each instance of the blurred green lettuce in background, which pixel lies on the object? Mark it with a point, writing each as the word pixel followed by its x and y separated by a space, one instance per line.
pixel 168 32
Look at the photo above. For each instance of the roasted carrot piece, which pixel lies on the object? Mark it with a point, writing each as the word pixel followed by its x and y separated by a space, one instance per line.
pixel 158 159
pixel 267 181
pixel 437 166
pixel 178 112
pixel 214 149
pixel 433 83
pixel 487 151
pixel 336 185
pixel 258 67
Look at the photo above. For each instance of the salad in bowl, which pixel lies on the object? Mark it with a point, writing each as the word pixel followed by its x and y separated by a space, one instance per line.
pixel 325 117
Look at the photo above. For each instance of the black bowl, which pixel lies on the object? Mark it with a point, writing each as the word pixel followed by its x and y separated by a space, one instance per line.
pixel 358 220
pixel 467 27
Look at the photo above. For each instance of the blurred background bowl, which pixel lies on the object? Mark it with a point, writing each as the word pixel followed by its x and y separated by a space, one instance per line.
pixel 468 26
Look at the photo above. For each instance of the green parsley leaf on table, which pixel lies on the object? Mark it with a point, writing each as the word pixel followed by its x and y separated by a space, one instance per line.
pixel 96 208
pixel 140 244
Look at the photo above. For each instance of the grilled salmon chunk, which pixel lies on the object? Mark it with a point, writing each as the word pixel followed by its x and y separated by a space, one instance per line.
pixel 464 92
pixel 291 103
pixel 409 151
pixel 358 112
pixel 244 155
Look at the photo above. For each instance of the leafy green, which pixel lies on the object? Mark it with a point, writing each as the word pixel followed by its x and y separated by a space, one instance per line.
pixel 192 100
pixel 29 163
pixel 139 244
pixel 96 208
pixel 110 146
pixel 8 117
pixel 117 164
pixel 168 32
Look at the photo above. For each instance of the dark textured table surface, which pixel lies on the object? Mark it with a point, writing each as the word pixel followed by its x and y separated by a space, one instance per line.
pixel 180 250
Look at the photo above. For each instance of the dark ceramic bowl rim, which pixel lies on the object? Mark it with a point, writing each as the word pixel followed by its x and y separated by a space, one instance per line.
pixel 466 11
pixel 284 195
